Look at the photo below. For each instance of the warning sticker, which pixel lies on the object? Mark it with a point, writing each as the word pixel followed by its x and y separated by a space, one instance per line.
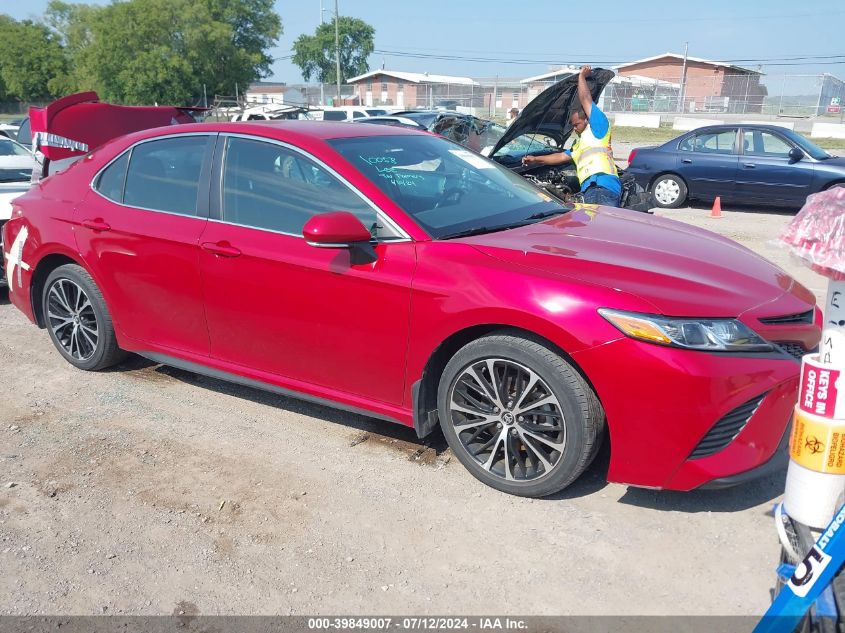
pixel 819 389
pixel 817 443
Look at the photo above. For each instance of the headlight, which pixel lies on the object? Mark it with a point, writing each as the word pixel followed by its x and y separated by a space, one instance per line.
pixel 713 335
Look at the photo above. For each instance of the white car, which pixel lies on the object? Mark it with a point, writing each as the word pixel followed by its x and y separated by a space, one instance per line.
pixel 346 113
pixel 16 164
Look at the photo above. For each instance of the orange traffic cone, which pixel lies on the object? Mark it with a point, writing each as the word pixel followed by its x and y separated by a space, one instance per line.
pixel 716 211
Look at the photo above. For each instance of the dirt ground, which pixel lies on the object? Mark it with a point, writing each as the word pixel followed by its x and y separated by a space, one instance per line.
pixel 148 490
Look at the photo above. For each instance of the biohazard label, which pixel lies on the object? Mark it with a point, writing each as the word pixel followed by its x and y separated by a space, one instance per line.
pixel 819 390
pixel 817 443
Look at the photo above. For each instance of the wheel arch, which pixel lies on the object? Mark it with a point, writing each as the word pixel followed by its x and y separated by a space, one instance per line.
pixel 833 183
pixel 667 172
pixel 43 268
pixel 424 390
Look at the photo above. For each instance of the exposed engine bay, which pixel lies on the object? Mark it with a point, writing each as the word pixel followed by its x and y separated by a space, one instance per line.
pixel 561 182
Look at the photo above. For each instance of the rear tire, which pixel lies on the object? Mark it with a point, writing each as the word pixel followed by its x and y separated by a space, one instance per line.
pixel 532 428
pixel 78 320
pixel 669 191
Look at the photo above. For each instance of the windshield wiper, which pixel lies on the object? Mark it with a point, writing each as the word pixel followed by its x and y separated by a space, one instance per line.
pixel 479 230
pixel 545 214
pixel 504 227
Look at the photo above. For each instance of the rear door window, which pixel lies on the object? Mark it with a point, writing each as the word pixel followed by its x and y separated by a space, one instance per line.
pixel 722 142
pixel 334 115
pixel 164 175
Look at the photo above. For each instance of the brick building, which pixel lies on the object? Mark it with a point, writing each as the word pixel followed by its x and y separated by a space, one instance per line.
pixel 410 90
pixel 708 85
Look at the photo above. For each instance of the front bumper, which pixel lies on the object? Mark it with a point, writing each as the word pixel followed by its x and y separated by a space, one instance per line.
pixel 661 402
pixel 776 463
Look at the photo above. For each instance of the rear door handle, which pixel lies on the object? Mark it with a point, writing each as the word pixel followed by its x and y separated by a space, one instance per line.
pixel 96 225
pixel 686 160
pixel 223 249
pixel 749 165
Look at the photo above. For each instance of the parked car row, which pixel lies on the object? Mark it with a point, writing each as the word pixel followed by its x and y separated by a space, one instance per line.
pixel 389 271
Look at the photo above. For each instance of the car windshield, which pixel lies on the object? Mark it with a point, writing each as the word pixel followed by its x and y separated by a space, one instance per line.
pixel 10 148
pixel 446 188
pixel 808 146
pixel 511 153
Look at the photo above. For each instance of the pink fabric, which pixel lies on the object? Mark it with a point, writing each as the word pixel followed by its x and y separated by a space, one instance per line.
pixel 817 233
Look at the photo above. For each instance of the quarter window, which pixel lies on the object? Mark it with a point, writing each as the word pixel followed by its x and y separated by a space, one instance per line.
pixel 110 182
pixel 267 186
pixel 164 175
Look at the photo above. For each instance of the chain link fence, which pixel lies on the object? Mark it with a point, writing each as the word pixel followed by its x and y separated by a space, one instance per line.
pixel 747 94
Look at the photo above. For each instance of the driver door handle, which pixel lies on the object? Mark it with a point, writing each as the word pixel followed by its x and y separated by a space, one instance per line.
pixel 749 165
pixel 96 225
pixel 223 249
pixel 686 160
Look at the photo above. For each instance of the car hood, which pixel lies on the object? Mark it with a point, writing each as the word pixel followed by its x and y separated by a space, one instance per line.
pixel 679 269
pixel 548 113
pixel 836 161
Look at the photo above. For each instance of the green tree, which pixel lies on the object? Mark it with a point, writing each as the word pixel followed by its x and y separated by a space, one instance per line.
pixel 31 60
pixel 145 51
pixel 315 54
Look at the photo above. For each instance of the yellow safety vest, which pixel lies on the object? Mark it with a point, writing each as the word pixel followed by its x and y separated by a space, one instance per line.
pixel 593 155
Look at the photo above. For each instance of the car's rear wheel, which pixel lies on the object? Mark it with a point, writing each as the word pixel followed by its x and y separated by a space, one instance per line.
pixel 670 191
pixel 78 320
pixel 518 416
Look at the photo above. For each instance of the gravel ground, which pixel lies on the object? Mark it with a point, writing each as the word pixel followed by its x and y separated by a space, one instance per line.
pixel 148 490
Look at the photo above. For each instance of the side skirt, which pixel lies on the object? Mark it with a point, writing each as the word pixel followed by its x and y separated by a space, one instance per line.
pixel 258 384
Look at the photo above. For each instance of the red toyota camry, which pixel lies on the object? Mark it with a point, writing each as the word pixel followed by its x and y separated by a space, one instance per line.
pixel 394 273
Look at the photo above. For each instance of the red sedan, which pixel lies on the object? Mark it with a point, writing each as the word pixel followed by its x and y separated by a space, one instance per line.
pixel 394 273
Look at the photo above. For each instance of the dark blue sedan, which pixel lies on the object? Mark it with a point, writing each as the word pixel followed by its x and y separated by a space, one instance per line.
pixel 753 164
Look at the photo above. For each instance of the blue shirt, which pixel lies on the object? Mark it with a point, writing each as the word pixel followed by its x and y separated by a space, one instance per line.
pixel 599 125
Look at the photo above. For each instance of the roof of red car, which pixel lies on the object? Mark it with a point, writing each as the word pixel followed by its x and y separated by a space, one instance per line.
pixel 314 129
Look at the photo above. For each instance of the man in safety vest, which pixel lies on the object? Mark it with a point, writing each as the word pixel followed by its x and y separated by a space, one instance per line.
pixel 591 152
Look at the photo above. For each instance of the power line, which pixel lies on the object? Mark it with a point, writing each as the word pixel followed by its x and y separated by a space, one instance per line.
pixel 821 59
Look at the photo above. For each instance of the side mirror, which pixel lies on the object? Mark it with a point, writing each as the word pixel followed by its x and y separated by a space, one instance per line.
pixel 795 154
pixel 337 229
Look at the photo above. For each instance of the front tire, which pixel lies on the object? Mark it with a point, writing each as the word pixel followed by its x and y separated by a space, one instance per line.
pixel 519 417
pixel 669 191
pixel 78 320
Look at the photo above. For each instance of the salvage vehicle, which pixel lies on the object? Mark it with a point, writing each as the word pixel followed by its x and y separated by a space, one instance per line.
pixel 473 301
pixel 746 163
pixel 477 134
pixel 273 113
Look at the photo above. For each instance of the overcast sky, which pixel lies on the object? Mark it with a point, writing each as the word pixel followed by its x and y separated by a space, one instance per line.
pixel 540 33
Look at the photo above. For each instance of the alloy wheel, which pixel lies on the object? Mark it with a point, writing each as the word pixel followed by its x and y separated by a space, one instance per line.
pixel 507 419
pixel 667 191
pixel 72 319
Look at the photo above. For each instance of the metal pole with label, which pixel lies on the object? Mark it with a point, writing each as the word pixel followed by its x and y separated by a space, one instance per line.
pixel 815 481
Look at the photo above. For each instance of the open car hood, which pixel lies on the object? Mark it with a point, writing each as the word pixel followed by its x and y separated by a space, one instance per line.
pixel 74 125
pixel 548 113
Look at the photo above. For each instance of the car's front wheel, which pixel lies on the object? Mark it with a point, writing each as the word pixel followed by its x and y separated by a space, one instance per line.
pixel 78 320
pixel 519 416
pixel 670 191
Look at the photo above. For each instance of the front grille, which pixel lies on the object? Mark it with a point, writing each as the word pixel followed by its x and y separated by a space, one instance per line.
pixel 792 348
pixel 726 429
pixel 790 319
